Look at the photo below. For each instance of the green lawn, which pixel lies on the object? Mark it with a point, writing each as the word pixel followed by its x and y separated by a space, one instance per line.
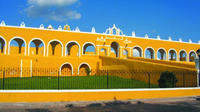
pixel 72 82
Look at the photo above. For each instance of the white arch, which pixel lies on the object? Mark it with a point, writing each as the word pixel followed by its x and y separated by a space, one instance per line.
pixel 30 43
pixel 79 47
pixel 82 64
pixel 164 50
pixel 16 38
pixel 153 52
pixel 66 64
pixel 140 49
pixel 88 43
pixel 185 53
pixel 52 41
pixel 5 46
pixel 175 52
pixel 189 54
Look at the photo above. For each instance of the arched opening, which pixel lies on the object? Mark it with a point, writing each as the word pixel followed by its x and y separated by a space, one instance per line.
pixel 55 48
pixel 149 53
pixel 72 49
pixel 89 49
pixel 115 48
pixel 84 69
pixel 172 55
pixel 103 52
pixel 2 45
pixel 137 52
pixel 66 70
pixel 192 56
pixel 161 54
pixel 17 45
pixel 183 56
pixel 125 53
pixel 36 47
pixel 114 31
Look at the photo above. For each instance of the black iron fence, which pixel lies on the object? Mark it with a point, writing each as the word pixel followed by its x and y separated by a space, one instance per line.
pixel 54 78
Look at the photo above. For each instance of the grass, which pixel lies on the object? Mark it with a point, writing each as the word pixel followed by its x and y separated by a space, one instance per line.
pixel 72 82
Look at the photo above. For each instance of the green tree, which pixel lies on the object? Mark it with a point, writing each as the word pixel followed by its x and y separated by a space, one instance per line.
pixel 167 80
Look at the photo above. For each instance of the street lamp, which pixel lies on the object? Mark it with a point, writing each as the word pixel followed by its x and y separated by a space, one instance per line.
pixel 197 62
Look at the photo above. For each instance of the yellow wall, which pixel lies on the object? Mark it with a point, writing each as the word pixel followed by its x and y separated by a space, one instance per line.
pixel 61 96
pixel 45 58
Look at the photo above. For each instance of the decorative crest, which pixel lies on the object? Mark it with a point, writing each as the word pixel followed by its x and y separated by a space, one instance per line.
pixel 170 38
pixel 146 36
pixel 50 27
pixel 77 29
pixel 180 40
pixel 3 23
pixel 22 25
pixel 190 41
pixel 114 30
pixel 59 27
pixel 158 37
pixel 93 30
pixel 133 34
pixel 41 26
pixel 67 27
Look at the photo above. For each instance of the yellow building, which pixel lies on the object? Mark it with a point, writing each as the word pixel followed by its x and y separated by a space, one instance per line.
pixel 73 51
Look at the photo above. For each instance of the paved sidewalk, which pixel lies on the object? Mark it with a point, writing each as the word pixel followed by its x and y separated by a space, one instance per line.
pixel 183 104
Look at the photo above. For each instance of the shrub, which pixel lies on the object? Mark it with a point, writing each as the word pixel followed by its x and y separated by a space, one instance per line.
pixel 167 80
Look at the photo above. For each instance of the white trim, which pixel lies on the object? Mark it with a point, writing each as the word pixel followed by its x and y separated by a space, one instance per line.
pixel 103 34
pixel 140 49
pixel 175 52
pixel 79 47
pixel 36 39
pixel 5 46
pixel 185 55
pixel 52 41
pixel 21 68
pixel 96 90
pixel 66 64
pixel 82 64
pixel 165 53
pixel 86 44
pixel 153 52
pixel 18 46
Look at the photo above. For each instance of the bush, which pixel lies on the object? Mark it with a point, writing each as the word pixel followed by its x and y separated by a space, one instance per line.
pixel 167 80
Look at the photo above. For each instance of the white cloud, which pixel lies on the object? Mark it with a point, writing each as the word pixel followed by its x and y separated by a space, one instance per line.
pixel 52 2
pixel 57 10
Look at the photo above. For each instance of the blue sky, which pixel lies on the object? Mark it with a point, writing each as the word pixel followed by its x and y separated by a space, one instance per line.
pixel 175 18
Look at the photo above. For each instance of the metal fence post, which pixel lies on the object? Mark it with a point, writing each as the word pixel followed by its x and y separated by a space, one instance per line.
pixel 183 79
pixel 107 79
pixel 3 79
pixel 149 78
pixel 58 80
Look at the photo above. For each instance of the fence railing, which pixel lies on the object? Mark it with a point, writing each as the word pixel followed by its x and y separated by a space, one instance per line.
pixel 54 78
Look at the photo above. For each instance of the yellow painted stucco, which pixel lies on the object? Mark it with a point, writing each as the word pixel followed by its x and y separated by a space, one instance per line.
pixel 62 96
pixel 69 48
